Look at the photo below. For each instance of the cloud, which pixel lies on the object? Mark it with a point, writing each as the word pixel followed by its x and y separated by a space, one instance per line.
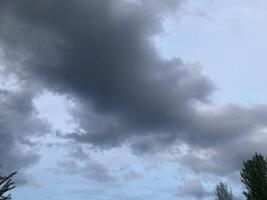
pixel 101 54
pixel 225 159
pixel 92 170
pixel 192 188
pixel 78 162
pixel 19 126
pixel 227 135
pixel 132 175
pixel 108 63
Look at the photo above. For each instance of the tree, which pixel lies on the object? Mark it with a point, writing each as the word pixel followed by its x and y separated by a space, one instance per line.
pixel 222 192
pixel 254 177
pixel 6 184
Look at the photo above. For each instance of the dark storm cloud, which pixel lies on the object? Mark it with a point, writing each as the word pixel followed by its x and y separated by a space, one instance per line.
pixel 101 54
pixel 18 126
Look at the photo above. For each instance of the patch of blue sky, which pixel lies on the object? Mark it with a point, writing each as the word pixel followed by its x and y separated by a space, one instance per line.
pixel 228 39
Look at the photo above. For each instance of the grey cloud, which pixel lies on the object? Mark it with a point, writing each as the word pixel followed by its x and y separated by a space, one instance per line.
pixel 77 152
pixel 104 58
pixel 101 54
pixel 78 162
pixel 192 188
pixel 91 170
pixel 225 159
pixel 19 124
pixel 227 122
pixel 132 175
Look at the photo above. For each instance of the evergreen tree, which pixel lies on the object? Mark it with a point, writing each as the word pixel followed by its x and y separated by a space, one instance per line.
pixel 222 192
pixel 6 184
pixel 254 176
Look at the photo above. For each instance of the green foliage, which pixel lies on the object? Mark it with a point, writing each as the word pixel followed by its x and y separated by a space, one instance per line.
pixel 222 192
pixel 254 177
pixel 6 184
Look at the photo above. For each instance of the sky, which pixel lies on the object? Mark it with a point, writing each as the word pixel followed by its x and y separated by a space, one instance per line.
pixel 131 99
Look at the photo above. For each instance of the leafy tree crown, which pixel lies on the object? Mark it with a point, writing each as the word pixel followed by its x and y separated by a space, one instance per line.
pixel 254 177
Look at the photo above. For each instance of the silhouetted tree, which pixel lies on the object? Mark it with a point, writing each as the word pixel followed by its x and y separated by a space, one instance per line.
pixel 254 176
pixel 223 192
pixel 6 184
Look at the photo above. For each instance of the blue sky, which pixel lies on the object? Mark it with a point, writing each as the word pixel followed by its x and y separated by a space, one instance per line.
pixel 88 139
pixel 227 39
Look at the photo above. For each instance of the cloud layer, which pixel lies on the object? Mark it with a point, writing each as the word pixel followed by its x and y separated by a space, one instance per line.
pixel 19 126
pixel 104 57
pixel 101 54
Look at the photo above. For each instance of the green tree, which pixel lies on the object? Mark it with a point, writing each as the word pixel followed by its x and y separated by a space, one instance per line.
pixel 254 177
pixel 6 184
pixel 222 192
